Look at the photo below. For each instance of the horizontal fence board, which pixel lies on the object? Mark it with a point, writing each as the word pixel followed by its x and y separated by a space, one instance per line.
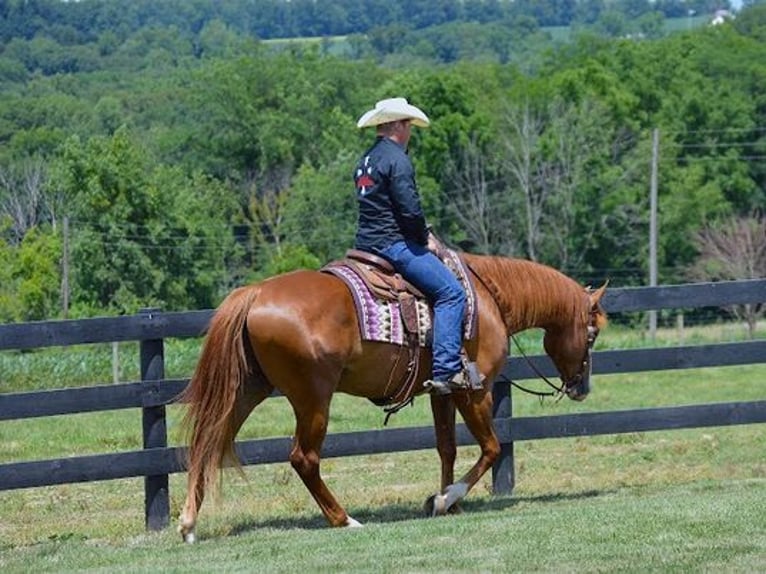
pixel 147 462
pixel 684 357
pixel 155 325
pixel 89 399
pixel 638 360
pixel 685 296
pixel 160 461
pixel 638 420
pixel 162 325
pixel 157 393
pixel 68 401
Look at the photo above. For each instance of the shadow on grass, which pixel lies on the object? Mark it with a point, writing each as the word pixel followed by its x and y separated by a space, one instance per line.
pixel 391 513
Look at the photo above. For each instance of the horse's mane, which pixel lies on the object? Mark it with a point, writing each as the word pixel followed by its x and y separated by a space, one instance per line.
pixel 546 292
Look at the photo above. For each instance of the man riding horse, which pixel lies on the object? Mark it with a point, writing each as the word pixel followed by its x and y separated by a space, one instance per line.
pixel 391 225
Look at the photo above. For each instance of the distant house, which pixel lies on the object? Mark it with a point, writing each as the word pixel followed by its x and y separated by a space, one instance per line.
pixel 721 16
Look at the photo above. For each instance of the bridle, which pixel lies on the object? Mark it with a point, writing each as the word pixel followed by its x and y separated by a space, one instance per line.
pixel 585 365
pixel 558 390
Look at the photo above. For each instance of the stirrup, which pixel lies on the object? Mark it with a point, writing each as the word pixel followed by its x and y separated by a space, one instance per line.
pixel 437 387
pixel 458 381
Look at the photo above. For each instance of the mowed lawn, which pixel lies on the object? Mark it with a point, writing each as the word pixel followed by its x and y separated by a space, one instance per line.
pixel 667 501
pixel 697 527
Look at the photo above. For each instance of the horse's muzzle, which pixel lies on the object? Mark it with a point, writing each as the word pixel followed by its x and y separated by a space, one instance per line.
pixel 579 391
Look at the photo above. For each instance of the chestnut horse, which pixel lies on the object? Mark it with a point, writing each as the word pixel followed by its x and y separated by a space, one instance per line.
pixel 298 333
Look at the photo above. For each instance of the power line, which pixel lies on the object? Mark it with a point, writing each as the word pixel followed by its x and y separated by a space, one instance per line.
pixel 163 239
pixel 716 131
pixel 688 159
pixel 167 248
pixel 713 145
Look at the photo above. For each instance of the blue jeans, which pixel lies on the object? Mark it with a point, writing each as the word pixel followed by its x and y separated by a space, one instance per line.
pixel 426 272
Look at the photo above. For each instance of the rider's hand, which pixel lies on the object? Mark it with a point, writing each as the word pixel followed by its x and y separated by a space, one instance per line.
pixel 433 244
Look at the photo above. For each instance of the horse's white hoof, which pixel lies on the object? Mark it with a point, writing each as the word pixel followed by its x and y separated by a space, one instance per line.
pixel 436 505
pixel 351 523
pixel 187 534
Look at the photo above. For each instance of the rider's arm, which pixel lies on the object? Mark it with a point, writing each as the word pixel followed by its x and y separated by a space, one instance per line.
pixel 406 200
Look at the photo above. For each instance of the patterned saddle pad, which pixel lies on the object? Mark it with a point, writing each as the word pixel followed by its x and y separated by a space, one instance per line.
pixel 381 320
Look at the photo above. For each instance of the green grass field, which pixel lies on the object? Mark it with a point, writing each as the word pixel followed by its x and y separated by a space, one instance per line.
pixel 698 527
pixel 669 501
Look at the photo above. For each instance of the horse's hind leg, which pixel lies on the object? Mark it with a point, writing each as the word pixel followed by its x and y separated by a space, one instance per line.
pixel 311 428
pixel 252 395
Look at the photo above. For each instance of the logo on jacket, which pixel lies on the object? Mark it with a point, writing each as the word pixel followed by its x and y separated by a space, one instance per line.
pixel 364 181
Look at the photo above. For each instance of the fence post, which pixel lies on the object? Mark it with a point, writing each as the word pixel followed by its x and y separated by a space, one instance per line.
pixel 503 476
pixel 156 496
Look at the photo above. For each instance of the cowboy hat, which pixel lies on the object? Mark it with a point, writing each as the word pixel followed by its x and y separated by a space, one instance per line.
pixel 391 110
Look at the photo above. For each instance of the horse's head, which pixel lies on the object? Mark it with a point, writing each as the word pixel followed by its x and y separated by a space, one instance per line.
pixel 570 347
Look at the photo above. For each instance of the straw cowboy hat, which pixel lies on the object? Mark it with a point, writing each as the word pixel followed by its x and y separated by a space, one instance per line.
pixel 391 110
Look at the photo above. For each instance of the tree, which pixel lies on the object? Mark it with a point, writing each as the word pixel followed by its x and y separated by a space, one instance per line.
pixel 521 144
pixel 651 24
pixel 217 40
pixel 324 197
pixel 29 275
pixel 477 201
pixel 556 155
pixel 451 101
pixel 143 234
pixel 734 249
pixel 23 199
pixel 39 274
pixel 612 23
pixel 265 221
pixel 577 140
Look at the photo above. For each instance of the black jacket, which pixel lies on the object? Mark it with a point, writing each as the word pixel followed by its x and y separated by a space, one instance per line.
pixel 389 204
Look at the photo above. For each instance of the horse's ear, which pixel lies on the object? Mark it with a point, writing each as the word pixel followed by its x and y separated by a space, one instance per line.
pixel 595 296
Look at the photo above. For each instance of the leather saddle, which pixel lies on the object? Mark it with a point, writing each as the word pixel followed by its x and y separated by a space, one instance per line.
pixel 385 283
pixel 376 278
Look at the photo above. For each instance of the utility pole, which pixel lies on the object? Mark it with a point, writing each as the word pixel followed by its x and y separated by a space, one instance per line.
pixel 65 271
pixel 653 228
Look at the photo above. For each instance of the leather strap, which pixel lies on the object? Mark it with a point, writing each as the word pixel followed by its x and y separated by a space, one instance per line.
pixel 372 259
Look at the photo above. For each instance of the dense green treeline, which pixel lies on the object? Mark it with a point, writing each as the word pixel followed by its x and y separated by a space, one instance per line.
pixel 50 37
pixel 85 21
pixel 170 179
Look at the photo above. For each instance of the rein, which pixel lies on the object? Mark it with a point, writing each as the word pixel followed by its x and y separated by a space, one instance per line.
pixel 558 390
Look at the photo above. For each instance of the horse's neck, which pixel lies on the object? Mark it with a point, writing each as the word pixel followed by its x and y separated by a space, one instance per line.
pixel 528 295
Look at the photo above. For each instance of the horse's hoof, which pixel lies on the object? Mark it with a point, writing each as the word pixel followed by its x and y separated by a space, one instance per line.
pixel 187 534
pixel 428 505
pixel 436 505
pixel 351 523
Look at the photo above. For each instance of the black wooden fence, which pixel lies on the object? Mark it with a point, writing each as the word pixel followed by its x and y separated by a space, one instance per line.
pixel 156 461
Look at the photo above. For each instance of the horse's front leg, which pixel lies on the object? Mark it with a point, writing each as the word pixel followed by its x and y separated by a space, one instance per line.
pixel 476 410
pixel 443 410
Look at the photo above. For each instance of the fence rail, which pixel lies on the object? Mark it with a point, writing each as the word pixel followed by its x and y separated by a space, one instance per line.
pixel 152 393
pixel 153 324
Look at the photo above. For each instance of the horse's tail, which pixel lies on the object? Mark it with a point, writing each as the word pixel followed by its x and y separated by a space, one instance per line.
pixel 212 392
